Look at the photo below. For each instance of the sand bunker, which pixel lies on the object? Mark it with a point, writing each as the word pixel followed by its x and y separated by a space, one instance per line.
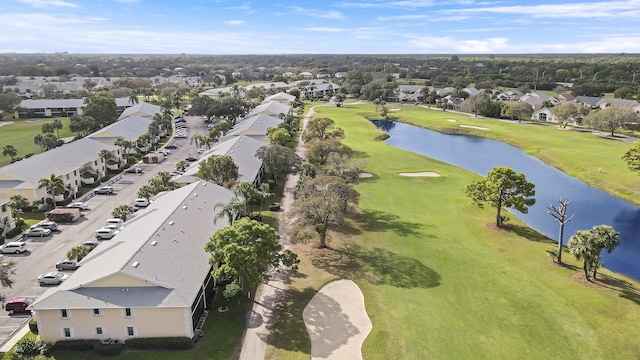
pixel 474 127
pixel 394 109
pixel 451 120
pixel 365 175
pixel 2 123
pixel 424 173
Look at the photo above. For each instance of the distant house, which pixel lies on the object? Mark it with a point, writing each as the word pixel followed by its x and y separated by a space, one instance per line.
pixel 544 114
pixel 141 109
pixel 152 280
pixel 46 108
pixel 632 104
pixel 588 101
pixel 280 97
pixel 409 93
pixel 255 126
pixel 270 108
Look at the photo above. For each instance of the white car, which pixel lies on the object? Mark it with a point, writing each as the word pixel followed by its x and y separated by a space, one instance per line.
pixel 52 278
pixel 38 231
pixel 105 233
pixel 14 247
pixel 79 205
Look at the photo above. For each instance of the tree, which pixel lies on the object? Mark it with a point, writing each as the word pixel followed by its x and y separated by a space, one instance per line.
pixel 78 252
pixel 82 125
pixel 384 112
pixel 517 111
pixel 133 99
pixel 219 169
pixel 248 193
pixel 320 202
pixel 48 128
pixel 8 101
pixel 232 210
pixel 102 108
pixel 566 111
pixel 278 159
pixel 38 139
pixel 586 245
pixel 246 250
pixel 122 211
pixel 50 141
pixel 146 191
pixel 53 184
pixel 57 125
pixel 279 136
pixel 319 151
pixel 610 118
pixel 560 214
pixel 182 165
pixel 125 146
pixel 7 272
pixel 11 151
pixel 321 129
pixel 502 187
pixel 263 194
pixel 17 203
pixel 105 155
pixel 162 182
pixel 632 157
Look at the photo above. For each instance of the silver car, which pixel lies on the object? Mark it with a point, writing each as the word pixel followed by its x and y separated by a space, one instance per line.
pixel 52 278
pixel 67 265
pixel 38 231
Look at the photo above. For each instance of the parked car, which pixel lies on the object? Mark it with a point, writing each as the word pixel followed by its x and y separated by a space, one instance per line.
pixel 91 244
pixel 141 202
pixel 79 205
pixel 67 265
pixel 105 233
pixel 171 146
pixel 51 225
pixel 14 247
pixel 176 173
pixel 18 304
pixel 104 190
pixel 191 159
pixel 52 278
pixel 134 170
pixel 115 221
pixel 38 231
pixel 201 151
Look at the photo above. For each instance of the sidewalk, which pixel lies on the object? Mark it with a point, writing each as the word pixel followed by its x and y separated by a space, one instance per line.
pixel 24 330
pixel 254 344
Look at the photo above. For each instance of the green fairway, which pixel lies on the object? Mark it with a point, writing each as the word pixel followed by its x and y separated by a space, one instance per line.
pixel 21 132
pixel 440 284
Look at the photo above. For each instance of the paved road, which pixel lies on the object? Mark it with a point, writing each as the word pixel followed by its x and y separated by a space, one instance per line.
pixel 43 253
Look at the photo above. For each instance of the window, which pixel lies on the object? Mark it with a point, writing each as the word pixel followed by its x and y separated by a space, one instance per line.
pixel 66 332
pixel 99 331
pixel 97 312
pixel 4 208
pixel 64 313
pixel 95 163
pixel 130 331
pixel 67 177
pixel 128 312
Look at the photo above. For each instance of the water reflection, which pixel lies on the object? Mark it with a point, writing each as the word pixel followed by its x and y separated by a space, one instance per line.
pixel 591 206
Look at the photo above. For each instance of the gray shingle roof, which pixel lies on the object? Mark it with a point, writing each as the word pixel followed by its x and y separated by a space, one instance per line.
pixel 140 109
pixel 270 108
pixel 162 248
pixel 255 125
pixel 129 128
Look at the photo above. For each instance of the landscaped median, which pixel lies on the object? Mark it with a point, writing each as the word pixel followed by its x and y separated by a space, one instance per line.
pixel 439 283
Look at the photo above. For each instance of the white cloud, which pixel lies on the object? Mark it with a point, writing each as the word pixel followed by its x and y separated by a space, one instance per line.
pixel 325 14
pixel 406 4
pixel 613 9
pixel 48 3
pixel 325 29
pixel 235 22
pixel 127 1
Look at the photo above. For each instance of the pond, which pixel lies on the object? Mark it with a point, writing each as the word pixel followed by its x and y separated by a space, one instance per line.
pixel 590 205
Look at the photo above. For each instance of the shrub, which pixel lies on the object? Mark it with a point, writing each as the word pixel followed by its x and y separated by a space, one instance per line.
pixel 31 347
pixel 14 232
pixel 33 326
pixel 78 344
pixel 168 343
pixel 107 349
pixel 382 137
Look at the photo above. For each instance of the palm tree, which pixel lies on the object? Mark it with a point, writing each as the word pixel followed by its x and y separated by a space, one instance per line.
pixel 146 191
pixel 197 139
pixel 263 194
pixel 51 184
pixel 232 210
pixel 11 151
pixel 38 139
pixel 247 192
pixel 77 253
pixel 182 165
pixel 57 124
pixel 105 155
pixel 133 99
pixel 17 203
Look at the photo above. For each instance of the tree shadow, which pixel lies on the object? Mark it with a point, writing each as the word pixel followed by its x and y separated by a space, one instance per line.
pixel 380 221
pixel 528 233
pixel 287 330
pixel 377 266
pixel 359 155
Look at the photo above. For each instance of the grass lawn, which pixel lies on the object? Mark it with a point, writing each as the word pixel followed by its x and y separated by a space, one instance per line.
pixel 438 283
pixel 20 134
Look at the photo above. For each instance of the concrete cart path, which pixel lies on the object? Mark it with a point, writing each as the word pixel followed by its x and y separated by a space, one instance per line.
pixel 337 321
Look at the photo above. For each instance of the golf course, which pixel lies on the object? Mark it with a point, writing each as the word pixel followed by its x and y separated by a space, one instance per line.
pixel 439 281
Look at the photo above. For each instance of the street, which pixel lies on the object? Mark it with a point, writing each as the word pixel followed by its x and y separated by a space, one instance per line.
pixel 43 252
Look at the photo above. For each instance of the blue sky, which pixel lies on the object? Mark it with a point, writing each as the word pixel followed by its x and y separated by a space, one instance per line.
pixel 327 26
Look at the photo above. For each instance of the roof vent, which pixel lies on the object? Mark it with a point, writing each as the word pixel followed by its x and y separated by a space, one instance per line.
pixel 135 264
pixel 171 222
pixel 184 207
pixel 154 243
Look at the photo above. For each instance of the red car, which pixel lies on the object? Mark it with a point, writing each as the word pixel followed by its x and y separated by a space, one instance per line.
pixel 171 146
pixel 17 305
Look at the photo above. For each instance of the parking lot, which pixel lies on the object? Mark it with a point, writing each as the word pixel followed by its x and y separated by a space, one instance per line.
pixel 43 252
